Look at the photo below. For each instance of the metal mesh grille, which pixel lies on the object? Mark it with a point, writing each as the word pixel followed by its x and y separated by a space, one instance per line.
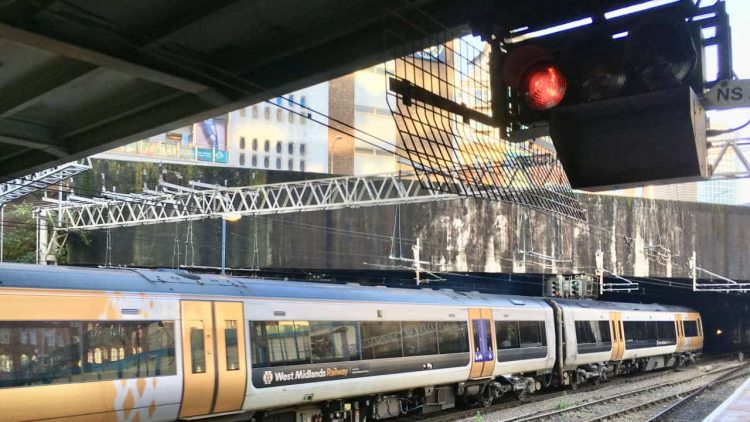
pixel 452 150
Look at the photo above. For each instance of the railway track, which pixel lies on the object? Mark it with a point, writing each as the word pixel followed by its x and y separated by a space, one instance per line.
pixel 505 404
pixel 665 413
pixel 562 414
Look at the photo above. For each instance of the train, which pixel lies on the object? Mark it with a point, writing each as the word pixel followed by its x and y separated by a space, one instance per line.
pixel 89 344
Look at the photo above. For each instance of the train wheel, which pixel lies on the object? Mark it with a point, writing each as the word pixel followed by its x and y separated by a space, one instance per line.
pixel 575 380
pixel 521 395
pixel 486 399
pixel 547 380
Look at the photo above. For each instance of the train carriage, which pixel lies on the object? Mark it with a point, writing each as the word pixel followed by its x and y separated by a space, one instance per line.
pixel 149 345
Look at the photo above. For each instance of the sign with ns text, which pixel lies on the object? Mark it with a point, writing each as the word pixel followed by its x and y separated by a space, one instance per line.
pixel 729 94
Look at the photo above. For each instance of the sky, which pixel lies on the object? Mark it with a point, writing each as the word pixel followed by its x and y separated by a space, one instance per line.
pixel 739 20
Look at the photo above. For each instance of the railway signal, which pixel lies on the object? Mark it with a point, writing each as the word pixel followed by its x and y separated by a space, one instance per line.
pixel 575 288
pixel 619 91
pixel 557 287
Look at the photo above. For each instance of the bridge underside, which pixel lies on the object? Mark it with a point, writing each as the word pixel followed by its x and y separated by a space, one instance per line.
pixel 78 77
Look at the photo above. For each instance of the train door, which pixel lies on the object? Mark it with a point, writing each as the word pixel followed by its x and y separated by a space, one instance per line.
pixel 618 342
pixel 213 357
pixel 680 332
pixel 482 335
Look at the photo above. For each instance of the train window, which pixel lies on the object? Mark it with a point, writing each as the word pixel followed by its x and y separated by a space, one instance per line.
pixel 531 333
pixel 381 339
pixel 279 343
pixel 141 349
pixel 507 334
pixel 230 343
pixel 452 337
pixel 592 332
pixel 640 334
pixel 420 338
pixel 334 341
pixel 197 349
pixel 593 336
pixel 665 333
pixel 65 352
pixel 691 328
pixel 585 332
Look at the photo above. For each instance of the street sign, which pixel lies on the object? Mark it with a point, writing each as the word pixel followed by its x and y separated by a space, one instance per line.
pixel 729 94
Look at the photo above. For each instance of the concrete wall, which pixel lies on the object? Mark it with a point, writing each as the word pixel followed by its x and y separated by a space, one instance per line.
pixel 470 235
pixel 461 235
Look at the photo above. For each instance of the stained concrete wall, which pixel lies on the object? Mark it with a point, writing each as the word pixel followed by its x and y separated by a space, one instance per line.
pixel 471 235
pixel 461 235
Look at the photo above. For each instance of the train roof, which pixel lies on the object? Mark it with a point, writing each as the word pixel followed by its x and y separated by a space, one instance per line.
pixel 169 281
pixel 620 306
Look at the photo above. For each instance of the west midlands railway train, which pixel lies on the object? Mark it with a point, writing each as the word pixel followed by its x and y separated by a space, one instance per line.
pixel 81 344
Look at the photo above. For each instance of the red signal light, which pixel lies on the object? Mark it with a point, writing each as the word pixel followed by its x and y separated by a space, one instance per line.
pixel 545 86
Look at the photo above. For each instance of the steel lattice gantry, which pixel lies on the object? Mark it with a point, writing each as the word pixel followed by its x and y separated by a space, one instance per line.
pixel 174 203
pixel 18 188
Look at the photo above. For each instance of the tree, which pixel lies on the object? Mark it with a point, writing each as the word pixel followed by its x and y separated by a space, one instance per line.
pixel 19 244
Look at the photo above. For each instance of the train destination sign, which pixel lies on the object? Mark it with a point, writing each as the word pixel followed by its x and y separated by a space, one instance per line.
pixel 729 94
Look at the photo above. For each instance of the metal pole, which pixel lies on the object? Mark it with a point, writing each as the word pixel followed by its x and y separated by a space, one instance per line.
pixel 59 204
pixel 38 228
pixel 2 230
pixel 223 246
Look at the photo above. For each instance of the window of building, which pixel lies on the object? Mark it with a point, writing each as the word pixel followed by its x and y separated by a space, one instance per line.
pixel 381 339
pixel 255 111
pixel 290 117
pixel 267 145
pixel 290 100
pixel 278 147
pixel 75 351
pixel 266 162
pixel 279 113
pixel 242 112
pixel 301 149
pixel 290 165
pixel 267 113
pixel 302 101
pixel 302 165
pixel 334 341
pixel 242 142
pixel 254 161
pixel 278 164
pixel 255 144
pixel 242 159
pixel 278 100
pixel 290 148
pixel 420 338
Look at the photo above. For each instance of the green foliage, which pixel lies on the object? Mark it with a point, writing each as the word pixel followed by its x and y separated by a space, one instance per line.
pixel 19 244
pixel 563 404
pixel 478 417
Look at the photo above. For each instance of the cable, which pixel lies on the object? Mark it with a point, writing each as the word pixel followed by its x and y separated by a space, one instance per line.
pixel 716 132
